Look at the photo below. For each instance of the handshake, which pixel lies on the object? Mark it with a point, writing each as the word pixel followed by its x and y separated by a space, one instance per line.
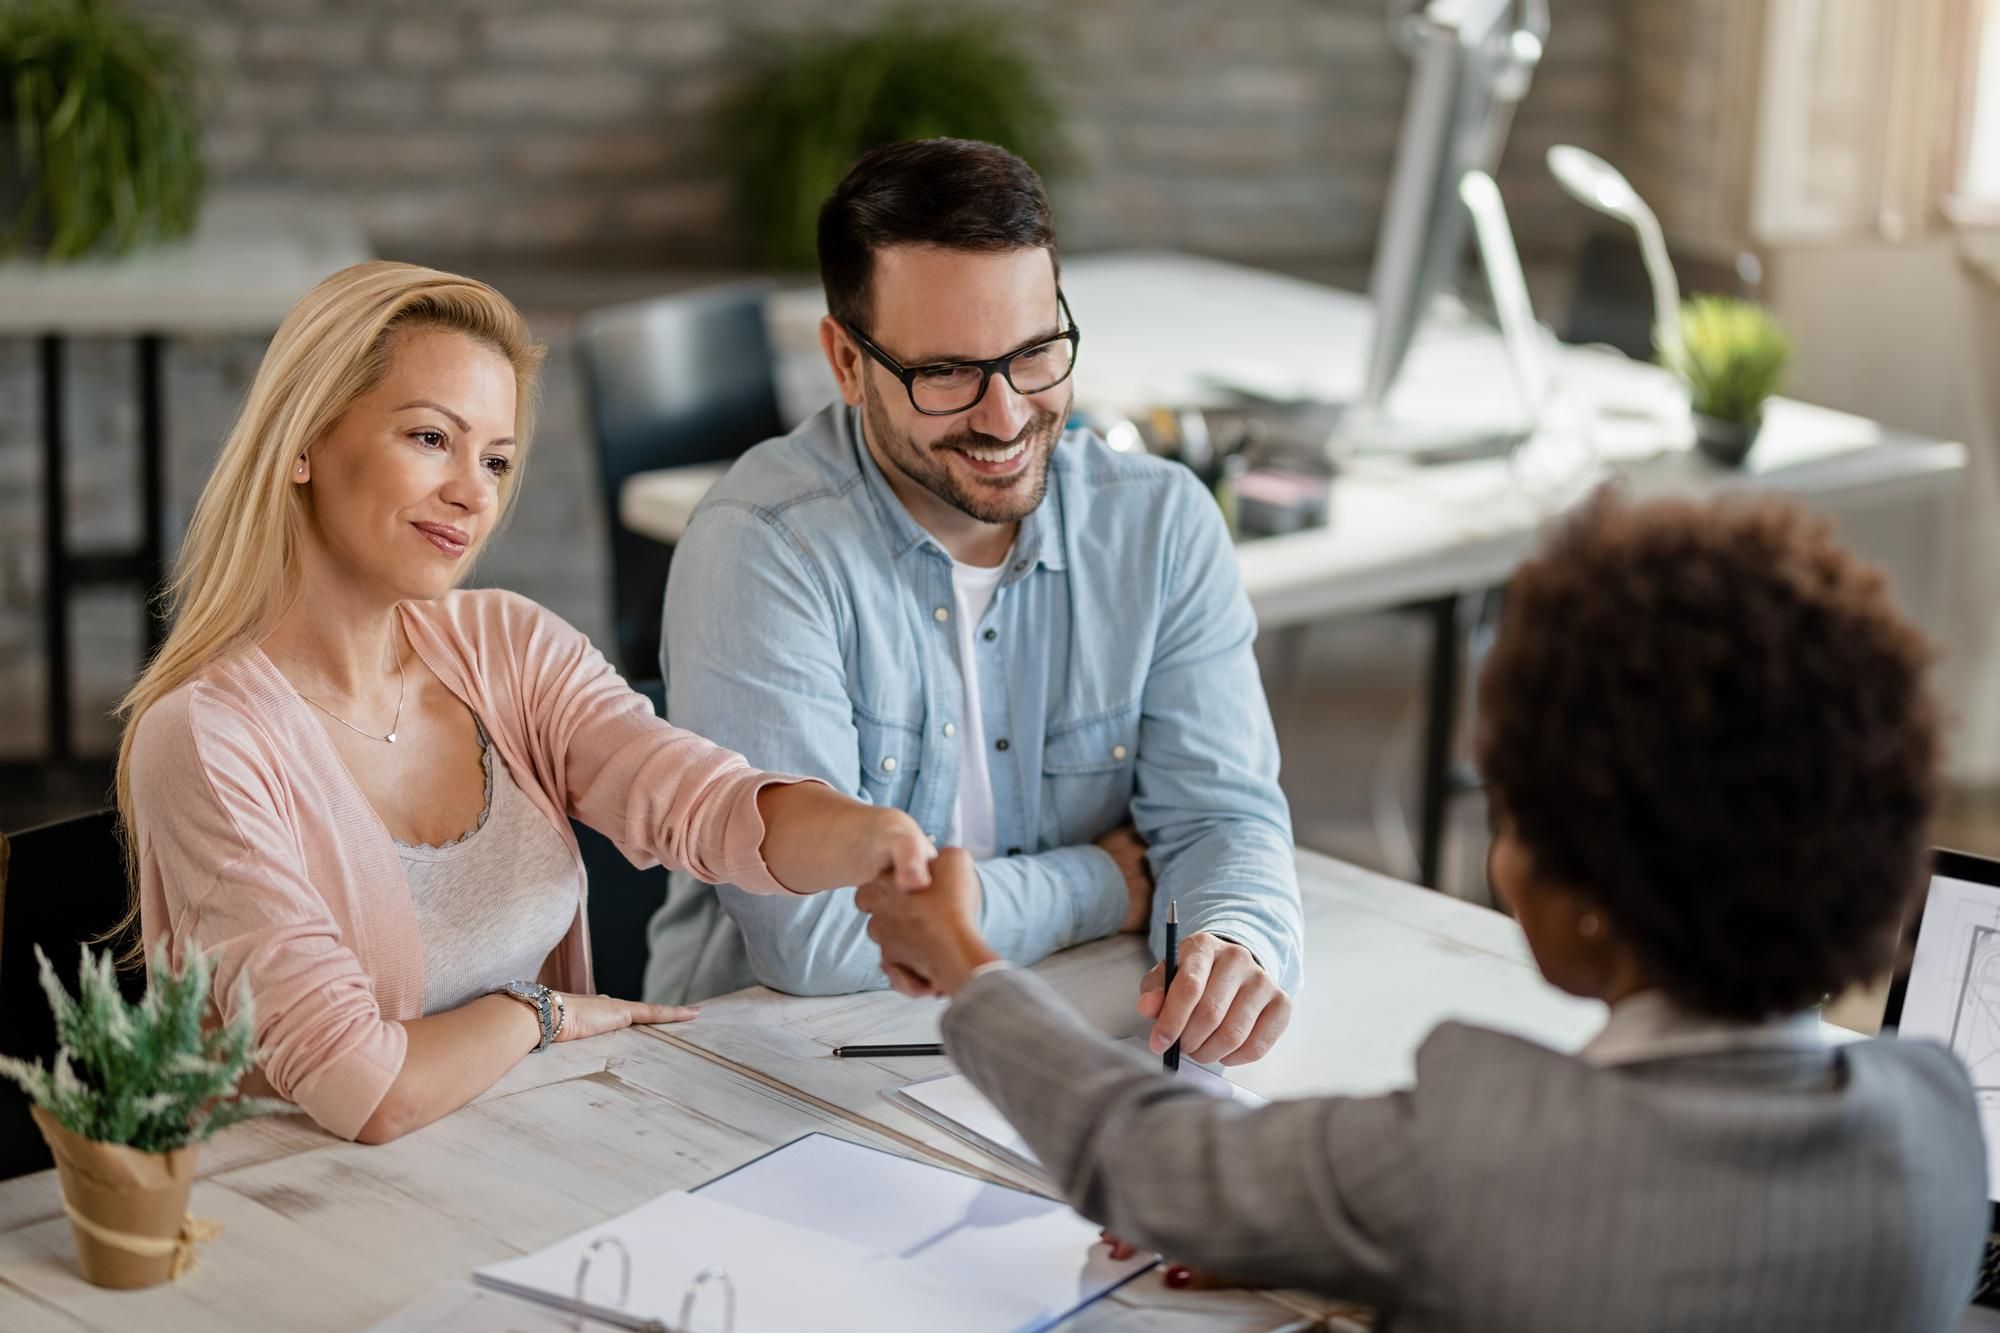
pixel 1222 1007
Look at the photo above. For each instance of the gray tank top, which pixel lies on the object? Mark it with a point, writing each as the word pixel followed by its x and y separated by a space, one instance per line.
pixel 493 903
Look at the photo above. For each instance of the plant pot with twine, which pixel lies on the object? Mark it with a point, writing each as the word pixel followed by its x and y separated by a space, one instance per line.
pixel 134 1091
pixel 127 1208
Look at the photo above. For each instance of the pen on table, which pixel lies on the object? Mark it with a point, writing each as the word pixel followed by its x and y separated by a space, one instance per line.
pixel 1171 1061
pixel 896 1048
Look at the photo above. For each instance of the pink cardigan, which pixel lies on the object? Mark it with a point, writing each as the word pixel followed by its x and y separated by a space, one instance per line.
pixel 256 845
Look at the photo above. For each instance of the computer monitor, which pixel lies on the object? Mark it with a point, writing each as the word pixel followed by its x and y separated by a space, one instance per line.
pixel 1473 60
pixel 1946 985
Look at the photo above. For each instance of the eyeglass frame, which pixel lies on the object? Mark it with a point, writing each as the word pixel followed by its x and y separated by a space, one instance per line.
pixel 987 369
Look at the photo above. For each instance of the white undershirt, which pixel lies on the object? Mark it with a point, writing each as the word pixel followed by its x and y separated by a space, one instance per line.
pixel 973 588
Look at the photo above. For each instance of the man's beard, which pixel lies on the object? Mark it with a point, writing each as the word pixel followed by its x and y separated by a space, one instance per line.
pixel 990 500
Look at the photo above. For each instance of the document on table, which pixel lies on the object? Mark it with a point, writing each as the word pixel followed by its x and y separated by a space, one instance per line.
pixel 828 1235
pixel 955 1106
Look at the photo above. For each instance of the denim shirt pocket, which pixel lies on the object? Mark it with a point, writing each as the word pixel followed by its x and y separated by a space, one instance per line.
pixel 891 755
pixel 1087 773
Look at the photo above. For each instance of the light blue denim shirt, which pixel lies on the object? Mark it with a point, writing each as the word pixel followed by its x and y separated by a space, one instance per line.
pixel 809 625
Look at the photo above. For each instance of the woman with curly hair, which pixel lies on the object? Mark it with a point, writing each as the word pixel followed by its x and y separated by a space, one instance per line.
pixel 1712 765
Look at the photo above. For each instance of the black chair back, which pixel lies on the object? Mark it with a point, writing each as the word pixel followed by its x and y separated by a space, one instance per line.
pixel 676 381
pixel 622 898
pixel 1611 297
pixel 61 884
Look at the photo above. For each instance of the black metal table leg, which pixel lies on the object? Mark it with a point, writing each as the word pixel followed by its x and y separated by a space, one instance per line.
pixel 1440 727
pixel 152 486
pixel 55 561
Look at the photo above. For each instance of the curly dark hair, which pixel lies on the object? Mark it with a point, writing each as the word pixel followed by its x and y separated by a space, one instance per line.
pixel 1710 719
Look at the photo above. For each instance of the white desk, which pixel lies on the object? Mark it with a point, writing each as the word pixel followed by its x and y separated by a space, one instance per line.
pixel 241 270
pixel 329 1235
pixel 1162 328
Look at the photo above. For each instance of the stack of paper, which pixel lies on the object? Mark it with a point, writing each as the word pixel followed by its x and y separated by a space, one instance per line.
pixel 827 1235
pixel 955 1106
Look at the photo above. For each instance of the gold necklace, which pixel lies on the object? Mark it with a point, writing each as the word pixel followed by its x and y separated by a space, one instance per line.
pixel 394 727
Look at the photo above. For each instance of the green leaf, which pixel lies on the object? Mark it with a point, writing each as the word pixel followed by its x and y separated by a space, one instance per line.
pixel 1732 356
pixel 98 113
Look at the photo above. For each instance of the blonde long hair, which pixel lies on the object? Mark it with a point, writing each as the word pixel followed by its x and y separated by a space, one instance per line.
pixel 238 570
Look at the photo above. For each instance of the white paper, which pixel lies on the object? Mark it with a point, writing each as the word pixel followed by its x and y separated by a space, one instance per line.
pixel 786 1278
pixel 1002 1253
pixel 954 1105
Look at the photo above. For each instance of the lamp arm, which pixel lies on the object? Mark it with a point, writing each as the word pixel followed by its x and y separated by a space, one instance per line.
pixel 1666 287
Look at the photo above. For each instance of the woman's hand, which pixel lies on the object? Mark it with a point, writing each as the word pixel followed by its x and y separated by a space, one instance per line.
pixel 1178 1276
pixel 817 839
pixel 930 941
pixel 595 1015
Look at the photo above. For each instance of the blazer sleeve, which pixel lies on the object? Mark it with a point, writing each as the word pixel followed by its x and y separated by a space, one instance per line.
pixel 222 871
pixel 661 793
pixel 1322 1193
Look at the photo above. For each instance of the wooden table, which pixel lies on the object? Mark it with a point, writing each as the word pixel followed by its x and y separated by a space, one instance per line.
pixel 323 1234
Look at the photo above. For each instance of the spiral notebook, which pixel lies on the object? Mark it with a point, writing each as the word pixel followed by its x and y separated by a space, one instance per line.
pixel 832 1236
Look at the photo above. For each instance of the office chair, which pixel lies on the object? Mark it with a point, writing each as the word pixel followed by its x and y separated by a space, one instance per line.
pixel 680 380
pixel 60 884
pixel 622 898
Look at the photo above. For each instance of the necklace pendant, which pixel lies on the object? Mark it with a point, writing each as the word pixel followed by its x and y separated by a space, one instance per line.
pixel 391 738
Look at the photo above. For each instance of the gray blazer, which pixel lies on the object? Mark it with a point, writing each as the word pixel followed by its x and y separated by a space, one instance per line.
pixel 1515 1189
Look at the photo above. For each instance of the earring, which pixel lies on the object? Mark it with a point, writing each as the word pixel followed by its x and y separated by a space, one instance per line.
pixel 300 467
pixel 1589 925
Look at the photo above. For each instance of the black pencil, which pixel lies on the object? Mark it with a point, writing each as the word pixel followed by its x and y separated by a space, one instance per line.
pixel 1172 1059
pixel 903 1048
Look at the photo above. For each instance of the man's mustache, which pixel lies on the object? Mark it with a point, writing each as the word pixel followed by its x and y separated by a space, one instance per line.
pixel 972 439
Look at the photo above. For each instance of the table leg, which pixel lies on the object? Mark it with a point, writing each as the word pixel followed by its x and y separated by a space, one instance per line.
pixel 1440 728
pixel 152 487
pixel 55 559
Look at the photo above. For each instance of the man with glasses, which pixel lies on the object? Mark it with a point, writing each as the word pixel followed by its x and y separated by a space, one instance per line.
pixel 933 595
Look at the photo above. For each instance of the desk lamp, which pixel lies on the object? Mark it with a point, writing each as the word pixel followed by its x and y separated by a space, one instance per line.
pixel 1593 181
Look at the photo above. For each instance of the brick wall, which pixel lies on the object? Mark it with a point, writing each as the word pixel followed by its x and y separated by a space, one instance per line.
pixel 506 133
pixel 1255 128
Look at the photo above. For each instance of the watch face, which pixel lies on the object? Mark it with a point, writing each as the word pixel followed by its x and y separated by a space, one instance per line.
pixel 526 990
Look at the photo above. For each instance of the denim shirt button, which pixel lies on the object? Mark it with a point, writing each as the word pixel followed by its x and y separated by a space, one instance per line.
pixel 950 730
pixel 1117 752
pixel 992 634
pixel 889 764
pixel 942 614
pixel 1000 744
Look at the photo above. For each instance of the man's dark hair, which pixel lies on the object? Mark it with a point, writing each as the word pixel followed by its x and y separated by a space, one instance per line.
pixel 956 193
pixel 1710 720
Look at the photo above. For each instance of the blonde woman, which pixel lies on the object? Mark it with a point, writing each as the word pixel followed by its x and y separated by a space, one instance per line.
pixel 352 784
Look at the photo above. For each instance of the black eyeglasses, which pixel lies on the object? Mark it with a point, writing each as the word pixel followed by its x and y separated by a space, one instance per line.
pixel 945 388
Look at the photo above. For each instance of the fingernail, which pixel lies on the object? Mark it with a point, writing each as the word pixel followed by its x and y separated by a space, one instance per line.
pixel 1158 1043
pixel 1178 1276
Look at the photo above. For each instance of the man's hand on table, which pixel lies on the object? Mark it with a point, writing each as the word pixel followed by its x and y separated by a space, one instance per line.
pixel 1223 1007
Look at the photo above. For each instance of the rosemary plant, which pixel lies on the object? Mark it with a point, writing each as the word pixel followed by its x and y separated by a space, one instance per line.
pixel 145 1075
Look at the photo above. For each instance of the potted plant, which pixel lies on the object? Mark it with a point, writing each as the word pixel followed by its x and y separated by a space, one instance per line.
pixel 135 1088
pixel 1732 354
pixel 100 147
pixel 816 102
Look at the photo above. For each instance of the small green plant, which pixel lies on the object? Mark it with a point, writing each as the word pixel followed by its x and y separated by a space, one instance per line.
pixel 144 1075
pixel 819 101
pixel 1732 355
pixel 98 113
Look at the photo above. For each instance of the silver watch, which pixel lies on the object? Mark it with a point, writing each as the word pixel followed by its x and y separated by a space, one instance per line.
pixel 547 1004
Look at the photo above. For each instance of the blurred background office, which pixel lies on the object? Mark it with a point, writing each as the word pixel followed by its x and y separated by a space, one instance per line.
pixel 1835 160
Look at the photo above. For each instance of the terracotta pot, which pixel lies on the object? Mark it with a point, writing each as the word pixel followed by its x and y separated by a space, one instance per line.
pixel 128 1209
pixel 1727 442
